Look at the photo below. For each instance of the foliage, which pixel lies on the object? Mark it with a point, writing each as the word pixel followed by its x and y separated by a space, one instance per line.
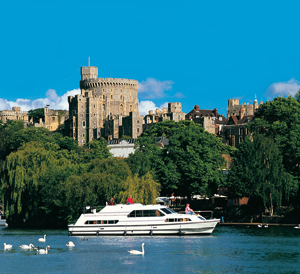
pixel 143 189
pixel 280 120
pixel 36 114
pixel 188 165
pixel 125 137
pixel 257 172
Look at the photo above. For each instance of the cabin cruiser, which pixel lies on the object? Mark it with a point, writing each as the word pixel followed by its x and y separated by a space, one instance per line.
pixel 3 220
pixel 138 219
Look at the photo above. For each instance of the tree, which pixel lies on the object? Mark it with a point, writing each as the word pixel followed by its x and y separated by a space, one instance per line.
pixel 280 120
pixel 297 96
pixel 36 114
pixel 257 172
pixel 188 165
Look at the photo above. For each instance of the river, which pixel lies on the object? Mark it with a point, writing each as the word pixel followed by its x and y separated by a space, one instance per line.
pixel 227 250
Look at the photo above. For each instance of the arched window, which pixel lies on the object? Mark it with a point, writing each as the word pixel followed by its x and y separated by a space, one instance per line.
pixel 83 123
pixel 121 108
pixel 103 96
pixel 103 107
pixel 111 97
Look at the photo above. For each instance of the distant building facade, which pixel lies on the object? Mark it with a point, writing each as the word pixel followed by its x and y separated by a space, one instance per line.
pixel 100 108
pixel 211 120
pixel 173 112
pixel 14 114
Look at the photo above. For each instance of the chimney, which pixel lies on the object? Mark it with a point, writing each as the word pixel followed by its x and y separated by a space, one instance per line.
pixel 241 114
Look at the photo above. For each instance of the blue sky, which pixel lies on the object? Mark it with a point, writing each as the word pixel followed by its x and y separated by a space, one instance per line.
pixel 193 52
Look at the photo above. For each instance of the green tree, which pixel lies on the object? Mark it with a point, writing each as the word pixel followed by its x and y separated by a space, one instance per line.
pixel 190 164
pixel 36 114
pixel 279 120
pixel 257 172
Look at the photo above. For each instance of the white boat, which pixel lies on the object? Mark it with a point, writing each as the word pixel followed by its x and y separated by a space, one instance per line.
pixel 138 219
pixel 2 220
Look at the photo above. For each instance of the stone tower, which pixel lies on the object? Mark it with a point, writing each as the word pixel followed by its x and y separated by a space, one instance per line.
pixel 100 99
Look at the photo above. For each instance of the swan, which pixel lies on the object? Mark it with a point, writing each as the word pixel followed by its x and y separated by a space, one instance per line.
pixel 42 239
pixel 137 252
pixel 30 246
pixel 7 246
pixel 70 244
pixel 266 225
pixel 297 226
pixel 43 251
pixel 259 225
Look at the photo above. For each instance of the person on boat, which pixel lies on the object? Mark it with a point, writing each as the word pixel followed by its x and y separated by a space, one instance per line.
pixel 111 201
pixel 188 210
pixel 129 200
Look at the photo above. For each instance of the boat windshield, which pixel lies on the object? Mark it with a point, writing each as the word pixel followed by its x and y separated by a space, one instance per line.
pixel 168 210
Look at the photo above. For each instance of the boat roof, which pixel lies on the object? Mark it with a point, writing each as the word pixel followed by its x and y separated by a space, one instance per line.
pixel 124 208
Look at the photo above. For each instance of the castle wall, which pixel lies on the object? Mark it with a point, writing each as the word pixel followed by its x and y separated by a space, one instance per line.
pixel 101 99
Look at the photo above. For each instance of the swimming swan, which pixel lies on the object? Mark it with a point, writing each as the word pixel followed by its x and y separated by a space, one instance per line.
pixel 297 226
pixel 70 244
pixel 42 239
pixel 7 246
pixel 137 252
pixel 43 251
pixel 30 246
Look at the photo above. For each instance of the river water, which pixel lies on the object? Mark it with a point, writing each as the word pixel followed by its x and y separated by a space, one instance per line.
pixel 227 250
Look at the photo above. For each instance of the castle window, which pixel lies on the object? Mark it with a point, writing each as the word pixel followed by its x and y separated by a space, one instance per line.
pixel 121 97
pixel 103 107
pixel 138 130
pixel 103 96
pixel 121 108
pixel 111 97
pixel 83 123
pixel 83 135
pixel 94 106
pixel 138 121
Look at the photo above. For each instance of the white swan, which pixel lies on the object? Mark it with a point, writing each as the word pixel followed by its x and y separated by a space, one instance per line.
pixel 30 246
pixel 7 246
pixel 42 239
pixel 259 225
pixel 43 251
pixel 266 226
pixel 137 252
pixel 70 244
pixel 297 226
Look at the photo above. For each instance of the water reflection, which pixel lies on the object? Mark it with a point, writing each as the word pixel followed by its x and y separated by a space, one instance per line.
pixel 228 250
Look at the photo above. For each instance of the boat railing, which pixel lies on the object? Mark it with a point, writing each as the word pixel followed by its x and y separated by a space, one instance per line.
pixel 91 209
pixel 207 214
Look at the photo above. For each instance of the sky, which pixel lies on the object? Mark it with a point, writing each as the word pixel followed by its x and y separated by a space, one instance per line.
pixel 194 52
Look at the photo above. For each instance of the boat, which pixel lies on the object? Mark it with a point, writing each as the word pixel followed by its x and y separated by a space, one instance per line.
pixel 138 219
pixel 3 220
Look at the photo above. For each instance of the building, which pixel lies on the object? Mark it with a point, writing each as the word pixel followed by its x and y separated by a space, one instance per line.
pixel 14 114
pixel 52 119
pixel 173 112
pixel 234 107
pixel 211 120
pixel 100 108
pixel 235 131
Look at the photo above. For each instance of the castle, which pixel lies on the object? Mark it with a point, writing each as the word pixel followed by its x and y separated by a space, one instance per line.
pixel 108 107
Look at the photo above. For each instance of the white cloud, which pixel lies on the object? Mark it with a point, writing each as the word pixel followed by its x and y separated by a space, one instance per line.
pixel 145 106
pixel 285 88
pixel 152 88
pixel 52 99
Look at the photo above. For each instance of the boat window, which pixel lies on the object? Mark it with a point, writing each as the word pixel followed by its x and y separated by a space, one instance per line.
pixel 180 220
pixel 131 214
pixel 103 222
pixel 170 209
pixel 138 213
pixel 165 210
pixel 171 220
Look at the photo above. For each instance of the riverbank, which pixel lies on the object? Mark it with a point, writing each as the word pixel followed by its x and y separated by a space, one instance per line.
pixel 257 225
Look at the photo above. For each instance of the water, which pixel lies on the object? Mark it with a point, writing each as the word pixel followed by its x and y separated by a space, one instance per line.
pixel 228 250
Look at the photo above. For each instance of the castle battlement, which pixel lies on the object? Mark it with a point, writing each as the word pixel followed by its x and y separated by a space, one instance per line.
pixel 108 82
